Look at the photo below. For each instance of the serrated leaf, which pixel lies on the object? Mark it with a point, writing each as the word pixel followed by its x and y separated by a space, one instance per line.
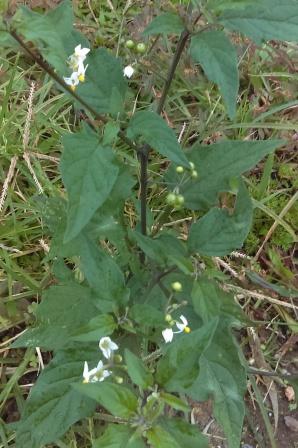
pixel 179 367
pixel 99 326
pixel 118 400
pixel 218 57
pixel 157 134
pixel 137 371
pixel 166 23
pixel 185 434
pixel 216 164
pixel 223 378
pixel 218 232
pixel 105 87
pixel 209 301
pixel 88 173
pixel 118 436
pixel 62 311
pixel 53 405
pixel 268 19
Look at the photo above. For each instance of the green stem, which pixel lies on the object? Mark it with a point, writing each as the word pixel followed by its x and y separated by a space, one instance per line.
pixel 39 61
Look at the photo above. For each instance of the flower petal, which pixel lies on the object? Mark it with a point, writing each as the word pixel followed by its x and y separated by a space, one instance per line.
pixel 168 334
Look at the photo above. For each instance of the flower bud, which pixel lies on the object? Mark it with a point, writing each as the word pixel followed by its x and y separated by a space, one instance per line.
pixel 168 318
pixel 179 169
pixel 118 358
pixel 129 44
pixel 176 286
pixel 192 165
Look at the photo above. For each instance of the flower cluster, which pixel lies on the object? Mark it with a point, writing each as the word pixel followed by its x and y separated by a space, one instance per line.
pixel 99 373
pixel 76 63
pixel 182 326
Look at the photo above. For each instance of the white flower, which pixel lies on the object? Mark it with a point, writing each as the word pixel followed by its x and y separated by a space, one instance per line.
pixel 80 52
pixel 183 325
pixel 107 346
pixel 96 374
pixel 78 57
pixel 73 80
pixel 81 71
pixel 168 334
pixel 128 71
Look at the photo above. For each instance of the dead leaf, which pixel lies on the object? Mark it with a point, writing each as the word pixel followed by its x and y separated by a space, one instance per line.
pixel 290 393
pixel 291 423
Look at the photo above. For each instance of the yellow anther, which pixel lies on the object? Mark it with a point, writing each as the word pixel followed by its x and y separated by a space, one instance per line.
pixel 73 88
pixel 187 330
pixel 82 78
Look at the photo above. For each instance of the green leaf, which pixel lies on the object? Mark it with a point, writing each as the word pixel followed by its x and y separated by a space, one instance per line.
pixel 217 6
pixel 62 311
pixel 218 57
pixel 53 405
pixel 165 249
pixel 160 438
pixel 179 367
pixel 209 301
pixel 105 87
pixel 99 326
pixel 166 23
pixel 185 434
pixel 216 165
pixel 118 436
pixel 88 173
pixel 268 19
pixel 174 402
pixel 118 400
pixel 52 32
pixel 157 134
pixel 137 371
pixel 223 378
pixel 147 315
pixel 218 233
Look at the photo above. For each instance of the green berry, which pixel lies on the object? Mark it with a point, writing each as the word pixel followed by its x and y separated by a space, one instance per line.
pixel 194 174
pixel 141 48
pixel 176 286
pixel 179 169
pixel 192 165
pixel 179 200
pixel 168 318
pixel 171 199
pixel 129 44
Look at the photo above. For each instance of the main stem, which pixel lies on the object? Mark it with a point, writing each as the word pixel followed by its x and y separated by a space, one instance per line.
pixel 143 153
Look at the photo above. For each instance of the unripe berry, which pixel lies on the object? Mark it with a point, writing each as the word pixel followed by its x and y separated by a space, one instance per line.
pixel 192 165
pixel 179 200
pixel 179 169
pixel 129 44
pixel 176 286
pixel 171 198
pixel 194 174
pixel 119 379
pixel 141 48
pixel 168 318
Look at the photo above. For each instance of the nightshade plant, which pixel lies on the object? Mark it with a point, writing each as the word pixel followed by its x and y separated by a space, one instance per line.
pixel 144 326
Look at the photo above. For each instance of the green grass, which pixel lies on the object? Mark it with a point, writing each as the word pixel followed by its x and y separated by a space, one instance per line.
pixel 266 108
